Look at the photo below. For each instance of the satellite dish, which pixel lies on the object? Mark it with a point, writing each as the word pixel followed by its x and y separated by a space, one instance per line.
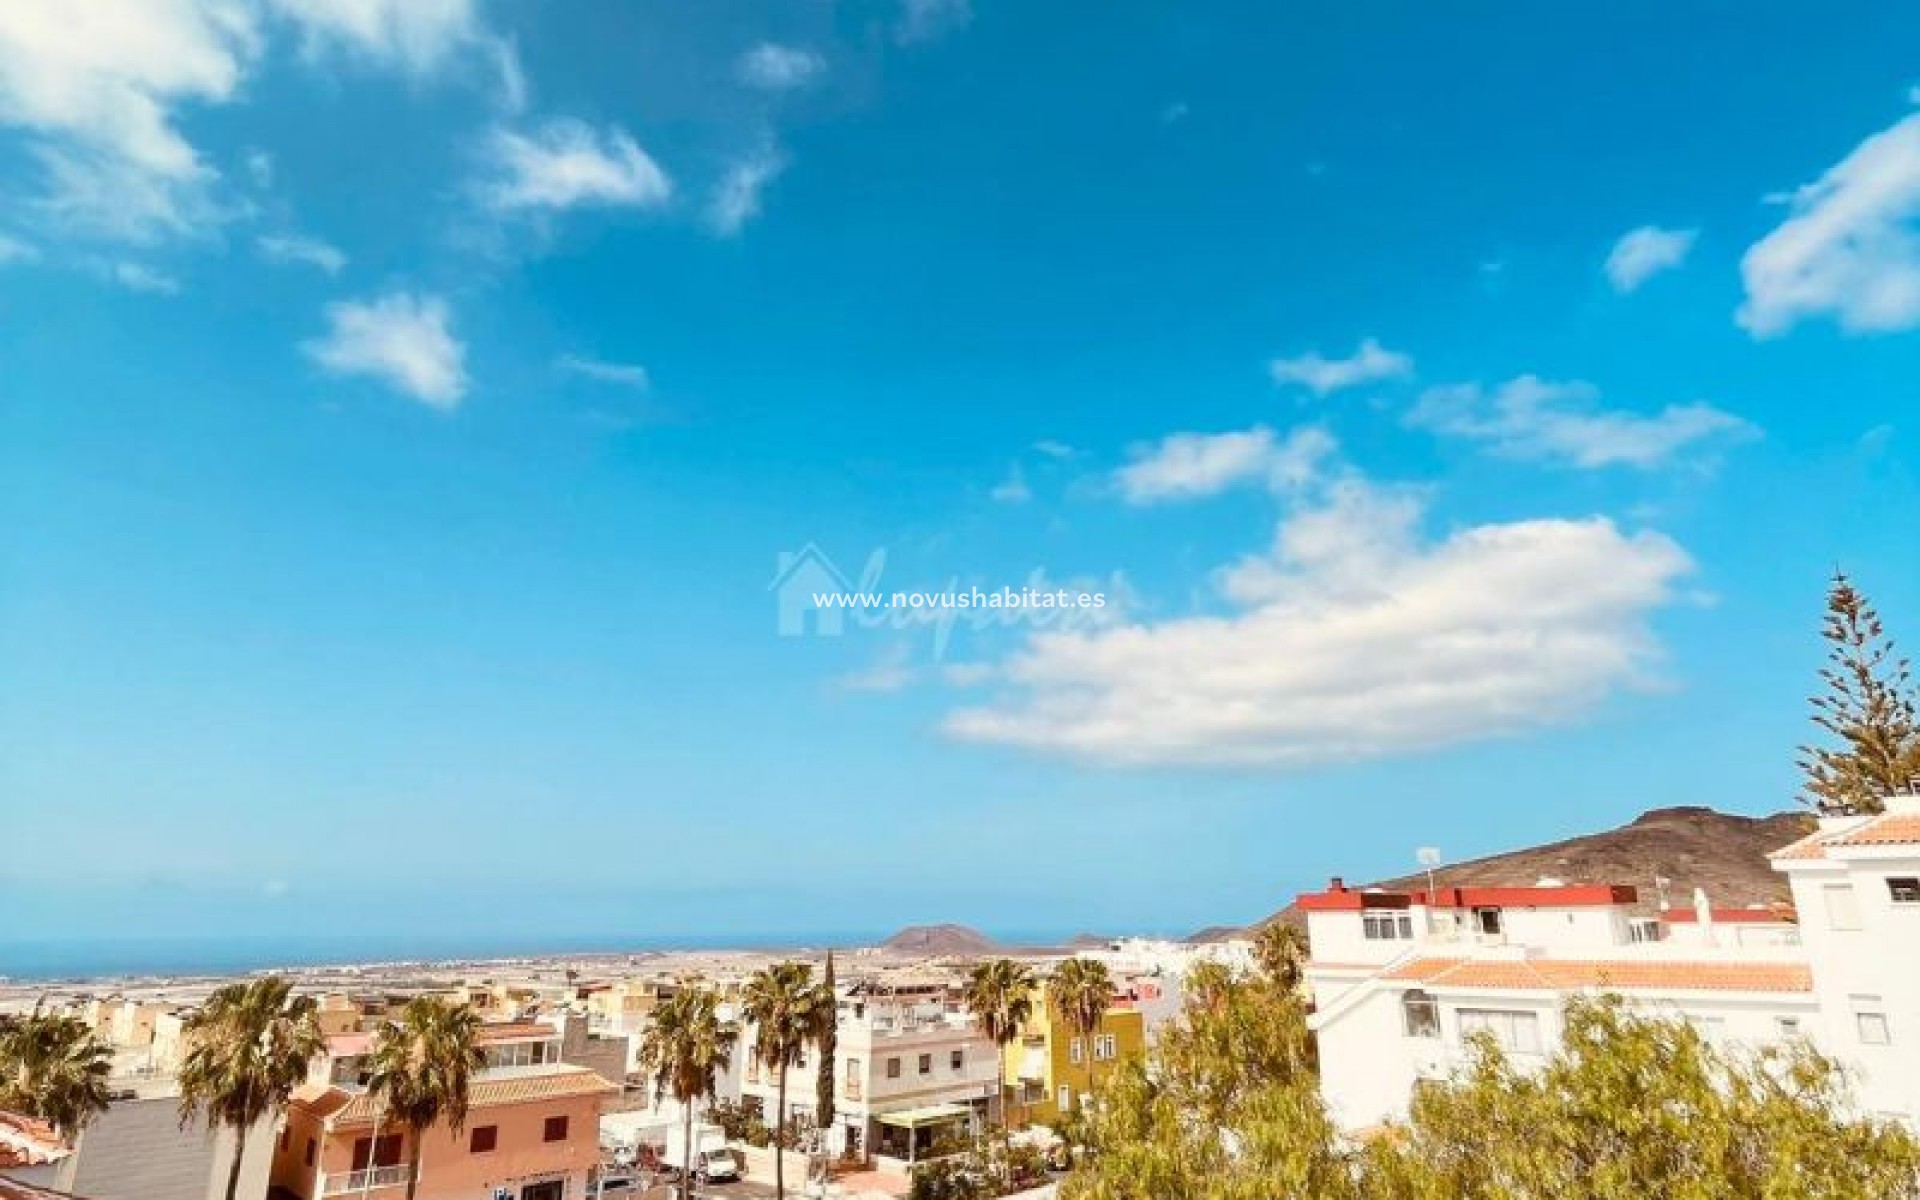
pixel 1429 856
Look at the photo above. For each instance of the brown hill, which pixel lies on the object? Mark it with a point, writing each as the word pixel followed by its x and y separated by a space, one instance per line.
pixel 1690 846
pixel 950 941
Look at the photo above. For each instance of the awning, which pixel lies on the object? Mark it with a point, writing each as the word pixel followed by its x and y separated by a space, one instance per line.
pixel 932 1114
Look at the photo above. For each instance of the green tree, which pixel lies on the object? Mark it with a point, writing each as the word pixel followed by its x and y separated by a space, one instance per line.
pixel 789 1012
pixel 999 993
pixel 422 1072
pixel 247 1048
pixel 1868 707
pixel 1229 1108
pixel 829 1045
pixel 54 1068
pixel 1631 1107
pixel 1280 949
pixel 1081 992
pixel 684 1050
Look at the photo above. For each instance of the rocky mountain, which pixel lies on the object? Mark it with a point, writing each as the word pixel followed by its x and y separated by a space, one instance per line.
pixel 1690 846
pixel 937 941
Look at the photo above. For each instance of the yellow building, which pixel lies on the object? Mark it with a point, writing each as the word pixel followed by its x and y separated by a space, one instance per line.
pixel 1050 1065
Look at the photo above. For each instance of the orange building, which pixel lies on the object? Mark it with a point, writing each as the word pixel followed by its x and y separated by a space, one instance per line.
pixel 532 1131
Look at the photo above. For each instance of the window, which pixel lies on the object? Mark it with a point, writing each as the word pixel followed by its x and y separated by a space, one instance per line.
pixel 893 1068
pixel 1786 1027
pixel 483 1139
pixel 926 1064
pixel 957 1059
pixel 1066 1098
pixel 311 1149
pixel 1843 908
pixel 367 1154
pixel 1643 929
pixel 1487 920
pixel 1870 1021
pixel 1420 1013
pixel 1074 1051
pixel 555 1130
pixel 1384 925
pixel 1516 1032
pixel 1904 889
pixel 1106 1048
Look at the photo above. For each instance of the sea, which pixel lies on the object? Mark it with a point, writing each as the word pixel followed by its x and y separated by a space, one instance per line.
pixel 90 959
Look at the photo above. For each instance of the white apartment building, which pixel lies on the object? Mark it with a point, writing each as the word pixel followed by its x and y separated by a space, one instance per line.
pixel 1401 979
pixel 908 1063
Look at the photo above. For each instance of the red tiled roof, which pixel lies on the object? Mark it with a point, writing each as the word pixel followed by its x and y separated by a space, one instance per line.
pixel 359 1108
pixel 1776 914
pixel 1886 829
pixel 29 1142
pixel 517 1031
pixel 1549 974
pixel 1586 895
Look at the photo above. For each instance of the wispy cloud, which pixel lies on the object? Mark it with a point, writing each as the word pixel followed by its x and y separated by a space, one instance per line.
pixel 1320 375
pixel 630 375
pixel 1642 253
pixel 417 35
pixel 736 199
pixel 892 672
pixel 1354 637
pixel 296 248
pixel 1013 489
pixel 1533 418
pixel 564 163
pixel 1186 466
pixel 772 67
pixel 930 20
pixel 1849 248
pixel 13 250
pixel 138 278
pixel 402 339
pixel 1054 448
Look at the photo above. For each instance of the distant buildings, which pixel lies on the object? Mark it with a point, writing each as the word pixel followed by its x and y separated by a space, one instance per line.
pixel 1401 980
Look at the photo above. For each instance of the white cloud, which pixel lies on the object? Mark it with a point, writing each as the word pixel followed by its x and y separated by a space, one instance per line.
pixel 1642 253
pixel 1354 638
pixel 1186 466
pixel 260 167
pixel 930 20
pixel 1532 418
pixel 294 248
pixel 1848 248
pixel 403 340
pixel 1371 363
pixel 417 35
pixel 893 671
pixel 736 200
pixel 1013 489
pixel 776 68
pixel 1054 448
pixel 631 375
pixel 565 164
pixel 95 86
pixel 13 250
pixel 137 278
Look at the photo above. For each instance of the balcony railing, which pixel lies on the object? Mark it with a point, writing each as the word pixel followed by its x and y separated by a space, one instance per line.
pixel 368 1180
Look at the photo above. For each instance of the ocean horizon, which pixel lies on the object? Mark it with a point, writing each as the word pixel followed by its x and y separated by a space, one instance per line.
pixel 77 960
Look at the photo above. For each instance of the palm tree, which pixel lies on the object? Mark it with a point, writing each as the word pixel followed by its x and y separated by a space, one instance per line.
pixel 788 1011
pixel 1080 992
pixel 1000 994
pixel 423 1069
pixel 54 1068
pixel 685 1048
pixel 248 1047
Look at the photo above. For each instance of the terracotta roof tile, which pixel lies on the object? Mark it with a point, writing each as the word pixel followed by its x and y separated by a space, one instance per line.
pixel 359 1108
pixel 1543 974
pixel 1888 829
pixel 29 1142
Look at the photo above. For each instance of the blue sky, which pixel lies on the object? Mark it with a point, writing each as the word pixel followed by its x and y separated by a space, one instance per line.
pixel 403 408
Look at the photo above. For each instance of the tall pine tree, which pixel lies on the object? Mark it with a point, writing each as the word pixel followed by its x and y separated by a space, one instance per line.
pixel 1868 709
pixel 829 1041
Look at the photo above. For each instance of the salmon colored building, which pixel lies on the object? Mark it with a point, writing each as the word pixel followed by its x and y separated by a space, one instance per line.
pixel 532 1131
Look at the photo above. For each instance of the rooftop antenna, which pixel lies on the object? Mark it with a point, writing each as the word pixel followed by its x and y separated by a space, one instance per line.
pixel 1429 857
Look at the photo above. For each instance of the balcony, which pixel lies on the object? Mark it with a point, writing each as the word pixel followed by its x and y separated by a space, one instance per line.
pixel 368 1180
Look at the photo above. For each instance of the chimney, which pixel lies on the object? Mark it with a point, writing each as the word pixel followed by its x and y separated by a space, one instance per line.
pixel 1336 884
